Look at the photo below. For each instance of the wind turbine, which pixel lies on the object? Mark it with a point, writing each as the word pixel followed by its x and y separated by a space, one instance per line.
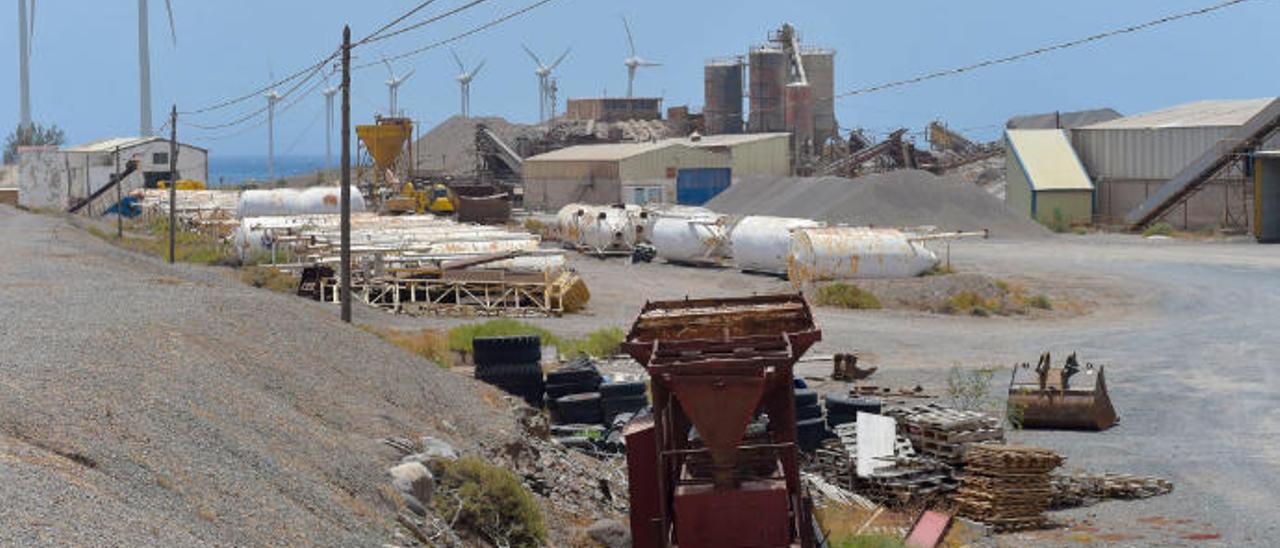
pixel 26 28
pixel 634 62
pixel 393 88
pixel 144 63
pixel 464 79
pixel 272 98
pixel 328 126
pixel 544 73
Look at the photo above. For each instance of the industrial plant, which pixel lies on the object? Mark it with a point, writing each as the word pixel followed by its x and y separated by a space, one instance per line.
pixel 631 319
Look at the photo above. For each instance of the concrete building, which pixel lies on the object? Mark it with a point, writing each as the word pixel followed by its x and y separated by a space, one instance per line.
pixel 1130 158
pixel 749 153
pixel 1045 178
pixel 614 109
pixel 611 173
pixel 55 178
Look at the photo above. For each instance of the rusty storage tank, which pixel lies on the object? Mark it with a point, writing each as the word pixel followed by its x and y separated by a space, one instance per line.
pixel 701 239
pixel 722 112
pixel 761 243
pixel 840 253
pixel 800 117
pixel 819 68
pixel 596 229
pixel 769 76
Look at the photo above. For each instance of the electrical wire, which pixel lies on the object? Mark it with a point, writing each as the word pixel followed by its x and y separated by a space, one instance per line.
pixel 430 20
pixel 264 89
pixel 374 35
pixel 457 37
pixel 1041 51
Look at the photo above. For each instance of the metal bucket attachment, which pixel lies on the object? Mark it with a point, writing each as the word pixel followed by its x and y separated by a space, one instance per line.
pixel 1067 397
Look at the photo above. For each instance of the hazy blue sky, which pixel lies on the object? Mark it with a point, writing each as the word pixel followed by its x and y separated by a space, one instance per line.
pixel 84 70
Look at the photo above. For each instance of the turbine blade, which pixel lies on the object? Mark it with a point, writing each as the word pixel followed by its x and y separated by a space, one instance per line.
pixel 650 64
pixel 390 71
pixel 477 70
pixel 630 40
pixel 457 60
pixel 408 74
pixel 533 56
pixel 173 32
pixel 561 58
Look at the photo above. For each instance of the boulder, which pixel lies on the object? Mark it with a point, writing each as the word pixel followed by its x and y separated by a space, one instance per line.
pixel 413 479
pixel 610 534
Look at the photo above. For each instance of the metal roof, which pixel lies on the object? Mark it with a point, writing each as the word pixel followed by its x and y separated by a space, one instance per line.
pixel 726 140
pixel 1217 113
pixel 1048 160
pixel 110 145
pixel 602 153
pixel 1063 120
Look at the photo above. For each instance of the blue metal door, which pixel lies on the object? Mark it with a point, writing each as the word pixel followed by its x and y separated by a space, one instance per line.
pixel 698 186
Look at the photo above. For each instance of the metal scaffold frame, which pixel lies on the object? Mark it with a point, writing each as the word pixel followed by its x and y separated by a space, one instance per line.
pixel 467 293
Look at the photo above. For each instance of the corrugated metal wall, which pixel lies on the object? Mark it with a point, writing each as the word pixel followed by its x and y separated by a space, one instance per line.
pixel 1142 153
pixel 665 162
pixel 697 186
pixel 1017 194
pixel 764 157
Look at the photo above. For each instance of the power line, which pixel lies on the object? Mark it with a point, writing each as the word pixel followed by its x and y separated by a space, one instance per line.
pixel 1043 50
pixel 457 37
pixel 373 36
pixel 428 21
pixel 262 90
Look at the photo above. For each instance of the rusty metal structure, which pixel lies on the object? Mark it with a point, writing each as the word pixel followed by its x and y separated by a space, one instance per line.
pixel 723 96
pixel 768 82
pixel 1067 397
pixel 717 366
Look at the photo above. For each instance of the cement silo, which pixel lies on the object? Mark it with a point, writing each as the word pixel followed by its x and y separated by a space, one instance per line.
pixel 769 78
pixel 819 67
pixel 723 94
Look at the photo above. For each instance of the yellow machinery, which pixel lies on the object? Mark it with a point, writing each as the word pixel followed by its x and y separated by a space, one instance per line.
pixel 441 200
pixel 183 184
pixel 437 199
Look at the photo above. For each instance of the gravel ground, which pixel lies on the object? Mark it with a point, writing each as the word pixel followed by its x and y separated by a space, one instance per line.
pixel 147 404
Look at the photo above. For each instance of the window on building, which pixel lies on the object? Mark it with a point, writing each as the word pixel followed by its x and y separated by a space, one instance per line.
pixel 160 158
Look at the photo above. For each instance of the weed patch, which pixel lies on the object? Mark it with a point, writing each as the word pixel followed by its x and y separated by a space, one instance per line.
pixel 601 342
pixel 269 278
pixel 489 501
pixel 430 344
pixel 1158 229
pixel 846 296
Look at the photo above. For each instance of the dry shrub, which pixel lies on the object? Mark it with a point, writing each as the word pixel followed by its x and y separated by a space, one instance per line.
pixel 488 501
pixel 269 278
pixel 428 343
pixel 846 296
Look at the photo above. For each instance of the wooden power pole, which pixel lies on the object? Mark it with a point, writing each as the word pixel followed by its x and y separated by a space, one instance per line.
pixel 119 198
pixel 173 178
pixel 345 267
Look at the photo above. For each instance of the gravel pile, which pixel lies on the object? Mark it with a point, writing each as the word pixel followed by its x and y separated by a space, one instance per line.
pixel 901 198
pixel 450 146
pixel 143 404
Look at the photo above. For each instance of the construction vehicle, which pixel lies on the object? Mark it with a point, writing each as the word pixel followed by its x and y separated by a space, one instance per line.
pixel 704 470
pixel 183 184
pixel 1067 397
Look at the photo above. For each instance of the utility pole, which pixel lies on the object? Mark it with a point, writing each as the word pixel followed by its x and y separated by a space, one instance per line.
pixel 345 267
pixel 119 208
pixel 173 178
pixel 272 99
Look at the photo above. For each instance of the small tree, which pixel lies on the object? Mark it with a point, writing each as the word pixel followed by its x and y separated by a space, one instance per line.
pixel 33 135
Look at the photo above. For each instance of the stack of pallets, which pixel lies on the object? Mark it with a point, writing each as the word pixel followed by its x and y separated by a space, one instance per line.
pixel 1007 486
pixel 943 432
pixel 1083 489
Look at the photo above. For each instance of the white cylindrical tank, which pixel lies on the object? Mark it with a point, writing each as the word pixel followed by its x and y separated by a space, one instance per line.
pixel 288 201
pixel 840 253
pixel 642 220
pixel 702 240
pixel 762 244
pixel 607 230
pixel 569 221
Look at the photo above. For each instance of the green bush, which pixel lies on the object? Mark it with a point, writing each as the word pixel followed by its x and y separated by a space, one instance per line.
pixel 969 302
pixel 1040 301
pixel 601 342
pixel 489 501
pixel 1159 229
pixel 1058 222
pixel 868 541
pixel 846 296
pixel 269 278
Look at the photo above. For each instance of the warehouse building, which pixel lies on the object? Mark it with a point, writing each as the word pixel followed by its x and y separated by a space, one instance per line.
pixel 1130 158
pixel 614 109
pixel 55 178
pixel 618 173
pixel 749 153
pixel 1045 178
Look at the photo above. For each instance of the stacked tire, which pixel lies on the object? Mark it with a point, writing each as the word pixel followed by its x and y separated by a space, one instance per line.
pixel 843 408
pixel 621 397
pixel 573 393
pixel 810 430
pixel 513 364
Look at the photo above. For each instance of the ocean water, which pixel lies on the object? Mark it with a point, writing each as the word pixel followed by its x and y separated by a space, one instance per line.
pixel 233 170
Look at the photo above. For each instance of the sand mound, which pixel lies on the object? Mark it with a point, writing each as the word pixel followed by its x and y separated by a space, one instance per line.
pixel 899 198
pixel 450 146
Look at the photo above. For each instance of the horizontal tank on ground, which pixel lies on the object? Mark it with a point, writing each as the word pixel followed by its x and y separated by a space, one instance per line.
pixel 600 230
pixel 840 253
pixel 762 244
pixel 695 239
pixel 288 201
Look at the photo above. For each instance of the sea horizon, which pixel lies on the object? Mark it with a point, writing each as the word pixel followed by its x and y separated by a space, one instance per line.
pixel 229 170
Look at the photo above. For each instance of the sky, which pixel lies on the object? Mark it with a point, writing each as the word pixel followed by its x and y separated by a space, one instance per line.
pixel 84 65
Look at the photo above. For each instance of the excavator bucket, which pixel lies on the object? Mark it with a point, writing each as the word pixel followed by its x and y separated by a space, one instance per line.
pixel 1070 397
pixel 385 141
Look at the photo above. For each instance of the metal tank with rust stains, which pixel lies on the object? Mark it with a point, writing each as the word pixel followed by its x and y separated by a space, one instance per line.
pixel 700 239
pixel 841 253
pixel 761 243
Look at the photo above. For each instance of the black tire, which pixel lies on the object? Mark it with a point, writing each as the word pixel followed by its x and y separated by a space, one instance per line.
pixel 837 419
pixel 580 409
pixel 799 383
pixel 622 389
pixel 808 412
pixel 562 390
pixel 806 396
pixel 520 349
pixel 616 406
pixel 579 377
pixel 844 404
pixel 809 433
pixel 522 373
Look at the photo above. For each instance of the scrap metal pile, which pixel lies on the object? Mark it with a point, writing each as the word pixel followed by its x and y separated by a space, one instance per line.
pixel 212 211
pixel 1007 486
pixel 1083 489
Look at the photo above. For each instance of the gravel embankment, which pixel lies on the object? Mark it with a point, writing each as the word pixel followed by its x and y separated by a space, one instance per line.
pixel 145 404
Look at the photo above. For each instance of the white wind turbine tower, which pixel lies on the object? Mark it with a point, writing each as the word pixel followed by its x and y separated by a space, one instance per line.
pixel 634 62
pixel 144 63
pixel 26 28
pixel 272 97
pixel 393 88
pixel 544 74
pixel 464 79
pixel 328 125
